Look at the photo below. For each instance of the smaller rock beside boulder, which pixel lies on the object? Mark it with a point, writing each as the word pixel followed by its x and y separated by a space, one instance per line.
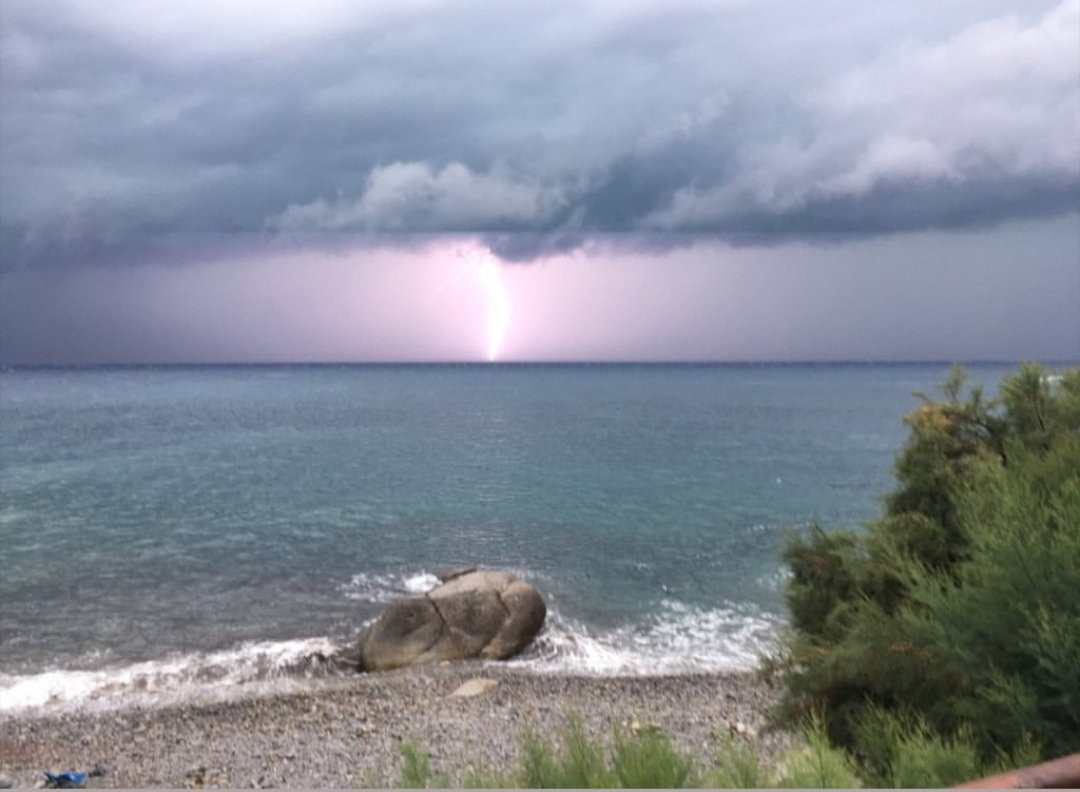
pixel 491 615
pixel 473 687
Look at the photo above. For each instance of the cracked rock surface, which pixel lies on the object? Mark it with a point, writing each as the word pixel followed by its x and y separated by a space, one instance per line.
pixel 485 614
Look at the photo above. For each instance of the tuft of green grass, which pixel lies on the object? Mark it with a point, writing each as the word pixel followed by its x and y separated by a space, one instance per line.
pixel 904 750
pixel 738 766
pixel 577 762
pixel 1023 753
pixel 480 777
pixel 925 759
pixel 538 765
pixel 818 765
pixel 370 780
pixel 416 768
pixel 648 760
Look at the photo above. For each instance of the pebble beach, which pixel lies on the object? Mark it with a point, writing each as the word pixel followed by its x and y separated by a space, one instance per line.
pixel 345 731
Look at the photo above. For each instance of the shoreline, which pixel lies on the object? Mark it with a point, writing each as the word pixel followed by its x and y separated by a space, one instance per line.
pixel 344 731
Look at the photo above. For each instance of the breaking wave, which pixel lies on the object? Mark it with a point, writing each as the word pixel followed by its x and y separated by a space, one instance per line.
pixel 679 639
pixel 675 639
pixel 251 668
pixel 382 589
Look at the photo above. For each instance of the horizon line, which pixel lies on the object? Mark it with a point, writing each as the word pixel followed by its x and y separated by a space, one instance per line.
pixel 555 362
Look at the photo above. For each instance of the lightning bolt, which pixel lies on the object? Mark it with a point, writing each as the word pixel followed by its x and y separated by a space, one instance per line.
pixel 489 274
pixel 498 302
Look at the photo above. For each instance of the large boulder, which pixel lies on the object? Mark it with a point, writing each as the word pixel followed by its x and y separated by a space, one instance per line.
pixel 486 614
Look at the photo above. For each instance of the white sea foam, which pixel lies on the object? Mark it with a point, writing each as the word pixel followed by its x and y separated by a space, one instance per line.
pixel 421 584
pixel 679 639
pixel 676 639
pixel 381 589
pixel 774 581
pixel 207 676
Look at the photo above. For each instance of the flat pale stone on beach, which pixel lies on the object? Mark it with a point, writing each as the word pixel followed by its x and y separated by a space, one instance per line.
pixel 474 687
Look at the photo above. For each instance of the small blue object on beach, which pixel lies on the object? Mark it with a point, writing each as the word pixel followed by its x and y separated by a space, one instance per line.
pixel 70 780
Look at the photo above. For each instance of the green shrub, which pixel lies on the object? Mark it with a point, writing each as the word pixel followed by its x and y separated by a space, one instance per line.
pixel 1008 622
pixel 926 759
pixel 959 608
pixel 902 751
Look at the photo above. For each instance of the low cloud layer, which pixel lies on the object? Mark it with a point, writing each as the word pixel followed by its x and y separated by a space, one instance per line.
pixel 1009 293
pixel 411 196
pixel 538 126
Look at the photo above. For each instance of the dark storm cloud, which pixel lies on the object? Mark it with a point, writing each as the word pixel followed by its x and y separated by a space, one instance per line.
pixel 529 246
pixel 130 126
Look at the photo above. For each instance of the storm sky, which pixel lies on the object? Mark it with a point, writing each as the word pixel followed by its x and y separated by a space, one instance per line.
pixel 240 180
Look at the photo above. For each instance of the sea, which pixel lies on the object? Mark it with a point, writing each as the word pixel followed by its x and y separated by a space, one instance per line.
pixel 179 532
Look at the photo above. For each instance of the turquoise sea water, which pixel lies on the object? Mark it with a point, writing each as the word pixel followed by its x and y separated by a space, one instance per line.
pixel 210 519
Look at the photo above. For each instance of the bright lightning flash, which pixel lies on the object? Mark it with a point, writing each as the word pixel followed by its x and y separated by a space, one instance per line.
pixel 498 305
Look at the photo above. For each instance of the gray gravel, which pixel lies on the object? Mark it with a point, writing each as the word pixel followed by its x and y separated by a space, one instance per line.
pixel 345 731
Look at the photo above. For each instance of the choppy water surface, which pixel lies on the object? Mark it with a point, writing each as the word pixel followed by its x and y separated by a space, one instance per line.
pixel 159 523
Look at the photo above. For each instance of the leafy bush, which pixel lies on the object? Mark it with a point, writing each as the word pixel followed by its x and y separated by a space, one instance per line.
pixel 959 609
pixel 905 752
pixel 1008 622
